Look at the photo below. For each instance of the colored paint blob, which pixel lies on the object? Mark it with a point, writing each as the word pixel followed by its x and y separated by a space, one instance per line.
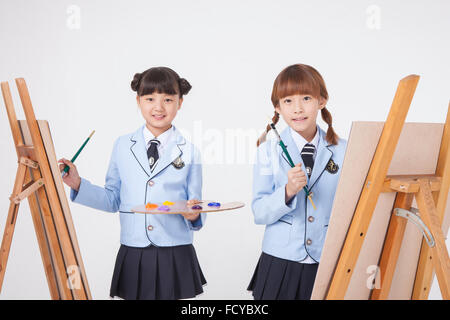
pixel 214 204
pixel 168 203
pixel 151 206
pixel 164 208
pixel 197 207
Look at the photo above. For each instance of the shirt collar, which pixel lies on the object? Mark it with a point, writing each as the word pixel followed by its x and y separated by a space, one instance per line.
pixel 300 141
pixel 163 137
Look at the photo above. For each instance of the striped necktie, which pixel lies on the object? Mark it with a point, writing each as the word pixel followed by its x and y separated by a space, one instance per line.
pixel 308 158
pixel 152 153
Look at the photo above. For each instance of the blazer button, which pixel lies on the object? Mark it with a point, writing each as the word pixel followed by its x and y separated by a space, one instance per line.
pixel 151 183
pixel 310 218
pixel 308 242
pixel 150 228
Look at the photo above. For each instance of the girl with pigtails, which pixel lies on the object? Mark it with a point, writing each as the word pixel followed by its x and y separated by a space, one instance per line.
pixel 295 229
pixel 156 258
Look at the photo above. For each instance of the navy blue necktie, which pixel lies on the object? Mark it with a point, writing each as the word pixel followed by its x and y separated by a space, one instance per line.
pixel 152 153
pixel 308 158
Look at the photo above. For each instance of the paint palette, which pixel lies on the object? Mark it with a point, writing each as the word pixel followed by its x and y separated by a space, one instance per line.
pixel 179 207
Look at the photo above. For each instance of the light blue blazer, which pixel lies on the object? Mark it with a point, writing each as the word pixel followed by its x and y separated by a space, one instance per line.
pixel 129 183
pixel 294 230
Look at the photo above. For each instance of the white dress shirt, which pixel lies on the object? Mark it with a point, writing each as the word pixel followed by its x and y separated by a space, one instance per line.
pixel 163 138
pixel 300 142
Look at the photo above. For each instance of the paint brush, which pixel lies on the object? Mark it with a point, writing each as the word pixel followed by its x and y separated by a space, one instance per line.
pixel 66 168
pixel 285 151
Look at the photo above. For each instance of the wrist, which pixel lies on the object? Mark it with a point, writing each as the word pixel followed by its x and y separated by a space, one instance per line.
pixel 78 184
pixel 288 194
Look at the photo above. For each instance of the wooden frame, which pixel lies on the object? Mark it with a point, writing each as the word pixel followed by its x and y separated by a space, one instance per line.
pixel 38 179
pixel 406 188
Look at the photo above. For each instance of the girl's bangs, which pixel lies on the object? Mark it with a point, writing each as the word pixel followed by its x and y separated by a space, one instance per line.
pixel 297 83
pixel 160 82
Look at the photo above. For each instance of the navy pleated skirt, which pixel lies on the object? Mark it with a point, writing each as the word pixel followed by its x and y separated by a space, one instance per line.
pixel 157 273
pixel 280 279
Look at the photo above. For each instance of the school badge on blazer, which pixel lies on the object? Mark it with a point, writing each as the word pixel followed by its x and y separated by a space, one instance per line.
pixel 178 163
pixel 332 167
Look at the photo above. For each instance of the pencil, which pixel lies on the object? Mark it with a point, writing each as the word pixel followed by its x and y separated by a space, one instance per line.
pixel 66 168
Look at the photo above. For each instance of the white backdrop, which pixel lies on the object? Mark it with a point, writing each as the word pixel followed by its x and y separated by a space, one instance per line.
pixel 79 57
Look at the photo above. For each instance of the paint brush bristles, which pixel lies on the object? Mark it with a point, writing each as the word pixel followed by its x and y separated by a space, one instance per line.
pixel 275 130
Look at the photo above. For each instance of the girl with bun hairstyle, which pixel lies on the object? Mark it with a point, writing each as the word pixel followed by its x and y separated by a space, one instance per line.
pixel 295 230
pixel 156 258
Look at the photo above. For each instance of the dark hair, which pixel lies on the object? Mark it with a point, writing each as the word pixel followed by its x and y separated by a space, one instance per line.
pixel 301 79
pixel 161 80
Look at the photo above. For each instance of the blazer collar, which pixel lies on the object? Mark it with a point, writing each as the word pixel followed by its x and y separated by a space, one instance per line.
pixel 323 155
pixel 139 151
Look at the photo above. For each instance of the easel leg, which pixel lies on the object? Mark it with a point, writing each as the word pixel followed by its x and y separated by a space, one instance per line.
pixel 11 223
pixel 39 227
pixel 439 253
pixel 392 245
pixel 424 273
pixel 40 210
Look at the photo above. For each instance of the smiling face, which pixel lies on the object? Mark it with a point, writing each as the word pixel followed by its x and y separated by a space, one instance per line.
pixel 159 110
pixel 300 111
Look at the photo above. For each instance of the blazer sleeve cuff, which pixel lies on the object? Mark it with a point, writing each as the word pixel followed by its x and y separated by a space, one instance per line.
pixel 271 208
pixel 284 208
pixel 81 190
pixel 198 223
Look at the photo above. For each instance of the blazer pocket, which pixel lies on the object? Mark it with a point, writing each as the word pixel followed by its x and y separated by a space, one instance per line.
pixel 126 212
pixel 127 222
pixel 280 231
pixel 125 208
pixel 287 218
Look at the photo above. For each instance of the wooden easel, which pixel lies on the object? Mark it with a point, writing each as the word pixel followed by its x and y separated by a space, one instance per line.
pixel 38 179
pixel 431 194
